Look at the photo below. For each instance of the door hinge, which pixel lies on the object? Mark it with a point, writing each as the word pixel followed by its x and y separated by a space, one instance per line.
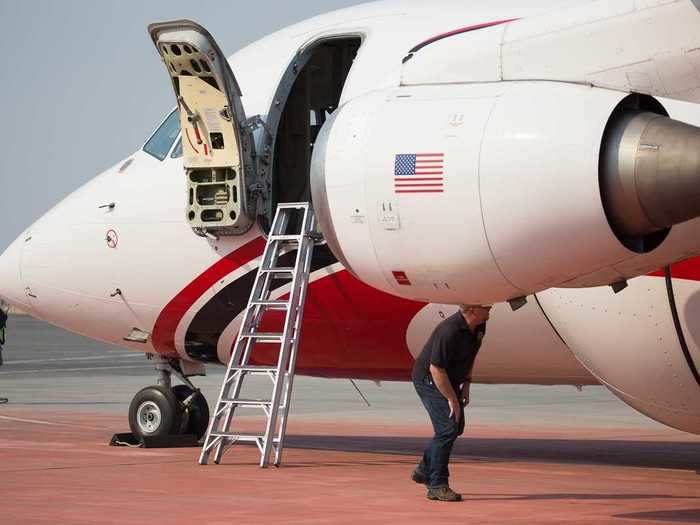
pixel 255 122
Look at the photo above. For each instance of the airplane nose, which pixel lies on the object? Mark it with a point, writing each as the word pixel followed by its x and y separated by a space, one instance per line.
pixel 11 286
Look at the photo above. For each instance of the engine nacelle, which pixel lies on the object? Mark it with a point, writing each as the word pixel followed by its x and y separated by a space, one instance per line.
pixel 485 192
pixel 628 341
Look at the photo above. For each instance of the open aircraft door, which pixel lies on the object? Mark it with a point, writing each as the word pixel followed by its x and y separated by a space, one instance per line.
pixel 218 147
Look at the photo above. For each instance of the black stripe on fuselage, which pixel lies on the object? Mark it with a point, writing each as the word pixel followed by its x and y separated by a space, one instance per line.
pixel 210 321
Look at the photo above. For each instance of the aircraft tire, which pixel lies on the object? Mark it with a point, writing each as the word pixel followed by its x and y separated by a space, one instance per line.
pixel 154 412
pixel 195 419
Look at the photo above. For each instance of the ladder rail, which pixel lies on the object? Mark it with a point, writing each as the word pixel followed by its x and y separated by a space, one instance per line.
pixel 292 364
pixel 219 436
pixel 289 343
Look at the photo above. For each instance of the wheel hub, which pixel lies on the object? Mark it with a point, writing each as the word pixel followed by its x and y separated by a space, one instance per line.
pixel 149 417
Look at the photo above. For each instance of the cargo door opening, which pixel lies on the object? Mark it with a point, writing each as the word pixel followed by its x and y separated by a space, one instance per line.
pixel 314 88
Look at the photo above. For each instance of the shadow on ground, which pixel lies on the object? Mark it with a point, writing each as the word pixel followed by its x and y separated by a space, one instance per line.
pixel 647 454
pixel 680 516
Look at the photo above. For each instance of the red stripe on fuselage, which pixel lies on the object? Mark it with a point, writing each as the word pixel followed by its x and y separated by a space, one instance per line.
pixel 459 31
pixel 688 269
pixel 163 337
pixel 350 329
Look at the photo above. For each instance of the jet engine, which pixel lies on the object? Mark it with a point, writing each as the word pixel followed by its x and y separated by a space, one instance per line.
pixel 486 192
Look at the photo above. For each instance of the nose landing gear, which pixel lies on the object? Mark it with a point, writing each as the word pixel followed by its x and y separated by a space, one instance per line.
pixel 163 410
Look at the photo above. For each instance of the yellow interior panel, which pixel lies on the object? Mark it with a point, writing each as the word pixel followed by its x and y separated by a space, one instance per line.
pixel 219 147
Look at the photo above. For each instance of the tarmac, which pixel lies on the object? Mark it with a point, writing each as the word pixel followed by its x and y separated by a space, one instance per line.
pixel 529 454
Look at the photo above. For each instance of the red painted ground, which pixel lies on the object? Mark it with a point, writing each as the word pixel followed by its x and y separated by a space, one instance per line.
pixel 64 472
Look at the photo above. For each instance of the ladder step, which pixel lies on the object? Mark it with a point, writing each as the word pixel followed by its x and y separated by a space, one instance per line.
pixel 247 402
pixel 279 269
pixel 253 368
pixel 292 205
pixel 249 438
pixel 297 238
pixel 275 305
pixel 264 336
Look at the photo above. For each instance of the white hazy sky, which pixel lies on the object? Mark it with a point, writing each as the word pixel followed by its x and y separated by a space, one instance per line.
pixel 82 85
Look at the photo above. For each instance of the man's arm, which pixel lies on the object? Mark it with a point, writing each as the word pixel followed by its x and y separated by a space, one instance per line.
pixel 465 386
pixel 465 390
pixel 468 381
pixel 442 382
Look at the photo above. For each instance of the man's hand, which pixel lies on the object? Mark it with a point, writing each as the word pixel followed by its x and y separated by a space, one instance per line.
pixel 442 382
pixel 465 392
pixel 455 408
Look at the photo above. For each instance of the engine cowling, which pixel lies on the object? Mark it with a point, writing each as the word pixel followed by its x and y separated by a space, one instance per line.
pixel 510 201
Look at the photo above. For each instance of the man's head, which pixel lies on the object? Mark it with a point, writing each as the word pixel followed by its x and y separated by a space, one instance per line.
pixel 475 314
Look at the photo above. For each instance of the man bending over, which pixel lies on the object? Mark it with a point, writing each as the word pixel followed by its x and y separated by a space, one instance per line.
pixel 441 376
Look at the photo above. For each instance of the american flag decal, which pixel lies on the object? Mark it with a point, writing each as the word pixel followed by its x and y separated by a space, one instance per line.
pixel 418 172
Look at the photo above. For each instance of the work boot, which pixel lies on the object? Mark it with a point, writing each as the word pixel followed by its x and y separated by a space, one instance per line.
pixel 419 477
pixel 443 493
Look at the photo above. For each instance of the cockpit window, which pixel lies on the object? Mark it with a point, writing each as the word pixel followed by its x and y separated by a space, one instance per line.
pixel 162 140
pixel 177 150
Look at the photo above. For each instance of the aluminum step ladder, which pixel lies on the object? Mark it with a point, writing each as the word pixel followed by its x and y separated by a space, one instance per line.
pixel 220 437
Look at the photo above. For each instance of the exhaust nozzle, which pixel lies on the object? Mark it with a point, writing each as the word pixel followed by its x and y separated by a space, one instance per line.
pixel 650 173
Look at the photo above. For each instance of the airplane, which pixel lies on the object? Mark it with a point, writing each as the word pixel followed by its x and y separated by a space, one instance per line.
pixel 545 162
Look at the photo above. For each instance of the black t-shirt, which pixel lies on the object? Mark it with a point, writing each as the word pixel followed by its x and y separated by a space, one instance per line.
pixel 451 346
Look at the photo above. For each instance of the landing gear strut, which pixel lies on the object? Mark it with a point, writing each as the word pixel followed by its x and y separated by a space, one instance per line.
pixel 162 410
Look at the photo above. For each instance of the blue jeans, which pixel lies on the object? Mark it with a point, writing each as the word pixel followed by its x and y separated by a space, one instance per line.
pixel 437 453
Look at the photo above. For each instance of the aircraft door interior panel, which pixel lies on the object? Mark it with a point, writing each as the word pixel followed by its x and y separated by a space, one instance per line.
pixel 218 149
